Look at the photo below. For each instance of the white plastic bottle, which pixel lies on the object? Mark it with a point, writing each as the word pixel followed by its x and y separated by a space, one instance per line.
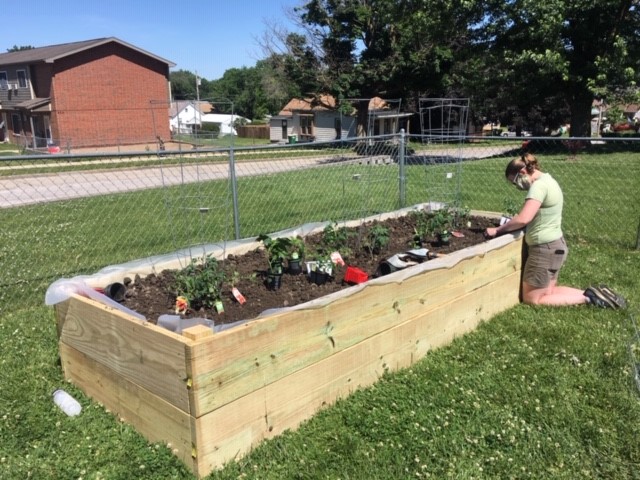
pixel 67 403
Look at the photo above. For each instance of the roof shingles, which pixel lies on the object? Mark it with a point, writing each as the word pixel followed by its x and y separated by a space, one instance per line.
pixel 51 53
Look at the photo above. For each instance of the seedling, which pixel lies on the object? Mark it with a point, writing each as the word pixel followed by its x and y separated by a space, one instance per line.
pixel 296 248
pixel 200 283
pixel 277 250
pixel 377 238
pixel 337 238
pixel 510 207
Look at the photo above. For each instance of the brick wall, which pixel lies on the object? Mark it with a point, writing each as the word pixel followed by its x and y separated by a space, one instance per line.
pixel 110 95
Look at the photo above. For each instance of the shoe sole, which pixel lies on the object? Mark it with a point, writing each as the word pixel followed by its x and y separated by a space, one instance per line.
pixel 619 301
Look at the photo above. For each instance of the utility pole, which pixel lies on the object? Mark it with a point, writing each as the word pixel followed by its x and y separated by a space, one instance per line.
pixel 197 87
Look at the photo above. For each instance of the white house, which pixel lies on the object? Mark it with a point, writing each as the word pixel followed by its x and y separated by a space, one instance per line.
pixel 185 116
pixel 225 121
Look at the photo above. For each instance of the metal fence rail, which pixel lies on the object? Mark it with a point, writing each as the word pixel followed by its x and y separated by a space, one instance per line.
pixel 69 214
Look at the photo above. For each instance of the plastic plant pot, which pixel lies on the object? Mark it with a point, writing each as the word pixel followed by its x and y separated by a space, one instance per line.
pixel 355 275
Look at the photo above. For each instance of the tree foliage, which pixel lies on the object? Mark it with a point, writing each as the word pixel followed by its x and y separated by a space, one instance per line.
pixel 528 63
pixel 17 48
pixel 183 85
pixel 396 49
pixel 559 53
pixel 524 61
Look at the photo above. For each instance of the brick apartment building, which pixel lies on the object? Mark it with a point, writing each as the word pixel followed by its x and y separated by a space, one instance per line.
pixel 92 93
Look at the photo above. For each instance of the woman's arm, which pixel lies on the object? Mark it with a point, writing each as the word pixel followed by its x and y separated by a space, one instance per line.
pixel 521 220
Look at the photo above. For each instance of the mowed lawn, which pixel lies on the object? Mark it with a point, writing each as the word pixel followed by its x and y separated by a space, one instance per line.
pixel 533 393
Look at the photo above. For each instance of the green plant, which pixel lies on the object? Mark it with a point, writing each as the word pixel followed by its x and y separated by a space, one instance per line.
pixel 461 216
pixel 322 263
pixel 421 229
pixel 201 283
pixel 296 248
pixel 377 238
pixel 337 238
pixel 441 221
pixel 277 250
pixel 510 207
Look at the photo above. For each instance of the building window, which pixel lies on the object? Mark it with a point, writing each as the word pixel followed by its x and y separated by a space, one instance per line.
pixel 22 78
pixel 4 80
pixel 306 125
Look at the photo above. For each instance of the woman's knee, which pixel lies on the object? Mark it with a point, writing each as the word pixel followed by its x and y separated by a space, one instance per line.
pixel 532 295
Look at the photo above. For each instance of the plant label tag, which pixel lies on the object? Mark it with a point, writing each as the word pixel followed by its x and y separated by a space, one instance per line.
pixel 219 307
pixel 337 258
pixel 238 296
pixel 182 304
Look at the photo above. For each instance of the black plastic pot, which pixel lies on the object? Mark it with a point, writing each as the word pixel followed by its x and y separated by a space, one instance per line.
pixel 294 267
pixel 274 280
pixel 444 239
pixel 319 278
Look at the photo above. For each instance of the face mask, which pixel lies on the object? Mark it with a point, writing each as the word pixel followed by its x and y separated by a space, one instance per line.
pixel 523 182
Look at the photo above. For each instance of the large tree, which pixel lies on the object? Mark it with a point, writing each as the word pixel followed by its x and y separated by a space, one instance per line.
pixel 396 49
pixel 557 54
pixel 524 61
pixel 183 85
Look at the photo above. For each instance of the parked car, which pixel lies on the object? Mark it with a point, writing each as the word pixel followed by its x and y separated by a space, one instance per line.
pixel 625 126
pixel 511 132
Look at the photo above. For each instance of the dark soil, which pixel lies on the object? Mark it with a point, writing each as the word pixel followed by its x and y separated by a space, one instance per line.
pixel 154 295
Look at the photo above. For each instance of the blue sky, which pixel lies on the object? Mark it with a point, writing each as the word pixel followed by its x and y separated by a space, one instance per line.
pixel 207 36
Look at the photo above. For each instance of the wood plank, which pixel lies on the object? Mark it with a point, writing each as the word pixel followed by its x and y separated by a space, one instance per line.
pixel 197 332
pixel 142 353
pixel 231 430
pixel 154 418
pixel 60 311
pixel 244 359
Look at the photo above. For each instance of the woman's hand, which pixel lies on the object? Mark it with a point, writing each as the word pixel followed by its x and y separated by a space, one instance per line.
pixel 491 232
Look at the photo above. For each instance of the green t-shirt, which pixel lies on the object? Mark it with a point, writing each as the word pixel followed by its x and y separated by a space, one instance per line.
pixel 546 226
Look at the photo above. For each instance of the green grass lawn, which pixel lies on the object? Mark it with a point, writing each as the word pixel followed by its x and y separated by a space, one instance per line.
pixel 534 393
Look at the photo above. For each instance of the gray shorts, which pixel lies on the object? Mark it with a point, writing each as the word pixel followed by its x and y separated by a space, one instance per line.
pixel 543 262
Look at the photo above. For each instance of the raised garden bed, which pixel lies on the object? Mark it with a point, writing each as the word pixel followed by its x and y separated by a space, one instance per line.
pixel 212 396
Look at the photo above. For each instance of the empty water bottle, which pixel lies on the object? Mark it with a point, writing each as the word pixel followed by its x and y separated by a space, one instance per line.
pixel 67 403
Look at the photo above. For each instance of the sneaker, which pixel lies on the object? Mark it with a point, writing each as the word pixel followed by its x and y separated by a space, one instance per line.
pixel 597 298
pixel 613 296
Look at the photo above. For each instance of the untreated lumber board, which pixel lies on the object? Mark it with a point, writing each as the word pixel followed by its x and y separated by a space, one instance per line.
pixel 139 351
pixel 232 429
pixel 235 362
pixel 154 418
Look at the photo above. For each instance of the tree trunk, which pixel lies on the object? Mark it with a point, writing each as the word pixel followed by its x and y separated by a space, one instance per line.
pixel 363 118
pixel 581 101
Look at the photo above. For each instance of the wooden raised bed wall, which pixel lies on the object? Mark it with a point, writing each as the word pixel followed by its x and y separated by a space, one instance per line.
pixel 212 397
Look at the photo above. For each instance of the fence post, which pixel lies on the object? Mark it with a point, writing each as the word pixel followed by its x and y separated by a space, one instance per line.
pixel 401 177
pixel 234 191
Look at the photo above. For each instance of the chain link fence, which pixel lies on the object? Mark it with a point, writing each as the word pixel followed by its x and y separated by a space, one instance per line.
pixel 69 214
